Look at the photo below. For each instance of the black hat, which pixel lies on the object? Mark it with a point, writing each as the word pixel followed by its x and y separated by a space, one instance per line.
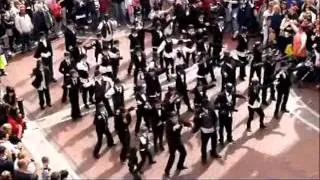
pixel 243 29
pixel 41 34
pixel 117 81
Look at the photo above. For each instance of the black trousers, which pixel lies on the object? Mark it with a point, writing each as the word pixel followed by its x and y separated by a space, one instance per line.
pixel 100 132
pixel 169 62
pixel 144 155
pixel 282 100
pixel 190 56
pixel 75 107
pixel 44 95
pixel 205 137
pixel 259 111
pixel 106 104
pixel 255 70
pixel 173 147
pixel 131 61
pixel 264 91
pixel 124 137
pixel 64 93
pixel 243 67
pixel 158 137
pixel 85 92
pixel 211 71
pixel 225 122
pixel 141 113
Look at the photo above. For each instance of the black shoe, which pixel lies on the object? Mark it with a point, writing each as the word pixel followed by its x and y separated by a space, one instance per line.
pixel 53 80
pixel 215 155
pixel 214 80
pixel 167 174
pixel 63 100
pixel 97 156
pixel 161 148
pixel 285 110
pixel 265 103
pixel 248 129
pixel 49 105
pixel 221 143
pixel 262 126
pixel 276 116
pixel 181 168
pixel 230 140
pixel 273 98
pixel 190 109
pixel 153 162
pixel 204 161
pixel 242 79
pixel 111 145
pixel 42 107
pixel 86 106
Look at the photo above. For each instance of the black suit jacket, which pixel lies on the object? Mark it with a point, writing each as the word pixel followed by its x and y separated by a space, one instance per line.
pixel 64 69
pixel 152 85
pixel 118 98
pixel 39 78
pixel 139 64
pixel 42 49
pixel 181 83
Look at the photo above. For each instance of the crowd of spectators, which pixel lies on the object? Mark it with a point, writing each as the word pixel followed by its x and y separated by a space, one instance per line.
pixel 15 162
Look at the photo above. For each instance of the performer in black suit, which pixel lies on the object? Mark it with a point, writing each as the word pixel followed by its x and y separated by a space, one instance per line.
pixel 144 149
pixel 70 38
pixel 206 121
pixel 255 90
pixel 74 86
pixel 203 69
pixel 114 56
pixel 153 86
pixel 134 43
pixel 101 123
pixel 241 48
pixel 44 51
pixel 118 96
pixel 65 68
pixel 228 71
pixel 173 132
pixel 142 108
pixel 268 78
pixel 283 82
pixel 157 121
pixel 122 120
pixel 256 63
pixel 103 90
pixel 83 69
pixel 41 83
pixel 225 103
pixel 139 60
pixel 181 87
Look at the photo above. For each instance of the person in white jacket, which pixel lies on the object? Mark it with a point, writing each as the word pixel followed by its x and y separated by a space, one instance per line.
pixel 24 26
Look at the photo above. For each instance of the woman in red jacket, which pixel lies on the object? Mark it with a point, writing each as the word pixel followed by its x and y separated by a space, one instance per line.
pixel 17 122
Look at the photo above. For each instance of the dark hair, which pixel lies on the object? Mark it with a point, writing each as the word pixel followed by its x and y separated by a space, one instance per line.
pixel 64 174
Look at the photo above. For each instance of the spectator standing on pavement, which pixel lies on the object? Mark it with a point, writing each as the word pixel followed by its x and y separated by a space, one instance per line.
pixel 24 26
pixel 6 164
pixel 118 11
pixel 22 171
pixel 44 51
pixel 41 83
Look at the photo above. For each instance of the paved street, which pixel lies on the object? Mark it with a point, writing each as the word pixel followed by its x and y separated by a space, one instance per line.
pixel 288 148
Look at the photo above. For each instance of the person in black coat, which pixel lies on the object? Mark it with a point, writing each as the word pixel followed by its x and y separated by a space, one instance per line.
pixel 134 44
pixel 70 38
pixel 6 164
pixel 142 108
pixel 44 51
pixel 122 120
pixel 139 60
pixel 101 123
pixel 41 83
pixel 283 81
pixel 228 71
pixel 114 56
pixel 103 88
pixel 144 149
pixel 203 69
pixel 254 103
pixel 268 78
pixel 65 68
pixel 173 132
pixel 74 85
pixel 153 86
pixel 225 103
pixel 181 87
pixel 206 121
pixel 241 48
pixel 133 164
pixel 118 96
pixel 158 122
pixel 256 62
